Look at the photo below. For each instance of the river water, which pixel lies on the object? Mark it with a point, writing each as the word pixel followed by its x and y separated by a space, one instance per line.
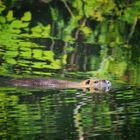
pixel 70 114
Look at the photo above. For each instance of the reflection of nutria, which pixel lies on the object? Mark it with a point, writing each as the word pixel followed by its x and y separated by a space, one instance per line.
pixel 91 84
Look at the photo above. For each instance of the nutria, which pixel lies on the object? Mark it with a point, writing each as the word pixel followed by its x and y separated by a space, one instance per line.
pixel 94 85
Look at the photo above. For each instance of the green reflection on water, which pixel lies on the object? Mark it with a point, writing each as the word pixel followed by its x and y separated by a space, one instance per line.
pixel 81 40
pixel 48 113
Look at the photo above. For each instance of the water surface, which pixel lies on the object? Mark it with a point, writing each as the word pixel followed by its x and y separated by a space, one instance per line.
pixel 28 113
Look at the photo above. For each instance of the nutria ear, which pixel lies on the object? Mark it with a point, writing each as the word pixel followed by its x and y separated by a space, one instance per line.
pixel 87 82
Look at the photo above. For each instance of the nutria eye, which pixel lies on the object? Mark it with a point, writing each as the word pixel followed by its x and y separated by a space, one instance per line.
pixel 87 82
pixel 104 81
pixel 95 81
pixel 96 89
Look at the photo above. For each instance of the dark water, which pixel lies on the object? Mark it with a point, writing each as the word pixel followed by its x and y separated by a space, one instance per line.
pixel 27 113
pixel 35 113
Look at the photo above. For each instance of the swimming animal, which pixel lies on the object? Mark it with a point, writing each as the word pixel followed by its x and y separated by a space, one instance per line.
pixel 93 85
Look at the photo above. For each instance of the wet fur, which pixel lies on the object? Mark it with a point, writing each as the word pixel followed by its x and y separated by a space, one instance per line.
pixel 91 84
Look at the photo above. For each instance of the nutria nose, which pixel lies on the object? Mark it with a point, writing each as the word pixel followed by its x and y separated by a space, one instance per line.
pixel 108 83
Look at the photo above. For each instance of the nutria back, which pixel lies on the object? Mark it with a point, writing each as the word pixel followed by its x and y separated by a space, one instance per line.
pixel 94 85
pixel 40 82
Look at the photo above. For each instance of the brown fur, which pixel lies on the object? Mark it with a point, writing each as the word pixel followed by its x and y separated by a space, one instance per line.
pixel 91 84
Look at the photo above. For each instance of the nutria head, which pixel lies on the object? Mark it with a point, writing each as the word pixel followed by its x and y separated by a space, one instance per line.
pixel 97 85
